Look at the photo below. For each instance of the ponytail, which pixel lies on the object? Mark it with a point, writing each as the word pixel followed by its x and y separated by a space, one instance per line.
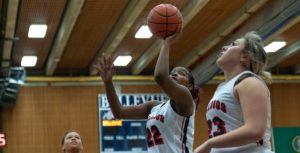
pixel 266 76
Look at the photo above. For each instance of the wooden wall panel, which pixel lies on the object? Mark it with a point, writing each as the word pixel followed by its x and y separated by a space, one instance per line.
pixel 139 88
pixel 201 128
pixel 42 114
pixel 285 104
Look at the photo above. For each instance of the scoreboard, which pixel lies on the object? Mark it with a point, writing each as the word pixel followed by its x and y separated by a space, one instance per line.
pixel 123 136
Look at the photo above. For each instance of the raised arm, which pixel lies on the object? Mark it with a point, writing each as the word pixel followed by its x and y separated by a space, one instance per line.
pixel 178 92
pixel 105 69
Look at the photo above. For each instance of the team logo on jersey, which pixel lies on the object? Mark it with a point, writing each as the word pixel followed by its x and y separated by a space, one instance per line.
pixel 160 118
pixel 296 143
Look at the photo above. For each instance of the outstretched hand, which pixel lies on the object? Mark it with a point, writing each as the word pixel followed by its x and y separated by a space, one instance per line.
pixel 105 67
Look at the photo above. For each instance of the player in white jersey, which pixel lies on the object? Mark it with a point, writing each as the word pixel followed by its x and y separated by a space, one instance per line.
pixel 170 125
pixel 239 114
pixel 167 131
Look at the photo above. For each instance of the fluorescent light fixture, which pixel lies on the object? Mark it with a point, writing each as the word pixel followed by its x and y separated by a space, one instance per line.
pixel 122 60
pixel 37 31
pixel 143 33
pixel 28 61
pixel 274 46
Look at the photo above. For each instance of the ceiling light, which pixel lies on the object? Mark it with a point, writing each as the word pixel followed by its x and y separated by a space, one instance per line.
pixel 122 60
pixel 28 61
pixel 274 46
pixel 143 33
pixel 37 31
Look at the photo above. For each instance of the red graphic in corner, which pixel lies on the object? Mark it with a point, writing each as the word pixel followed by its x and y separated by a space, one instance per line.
pixel 2 140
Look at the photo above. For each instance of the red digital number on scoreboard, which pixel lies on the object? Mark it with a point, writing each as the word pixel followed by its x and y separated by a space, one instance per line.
pixel 2 140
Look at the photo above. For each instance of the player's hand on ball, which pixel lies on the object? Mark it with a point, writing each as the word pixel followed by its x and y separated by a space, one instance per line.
pixel 105 67
pixel 175 36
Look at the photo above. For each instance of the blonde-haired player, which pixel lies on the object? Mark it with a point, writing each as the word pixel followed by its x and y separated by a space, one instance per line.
pixel 239 113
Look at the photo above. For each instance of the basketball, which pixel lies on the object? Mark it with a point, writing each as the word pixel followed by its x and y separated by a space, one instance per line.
pixel 164 20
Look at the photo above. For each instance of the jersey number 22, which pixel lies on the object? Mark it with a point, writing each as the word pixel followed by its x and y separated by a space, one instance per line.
pixel 154 136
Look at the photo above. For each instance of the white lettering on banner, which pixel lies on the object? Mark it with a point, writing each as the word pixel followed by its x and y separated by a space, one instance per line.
pixel 104 102
pixel 132 99
pixel 136 100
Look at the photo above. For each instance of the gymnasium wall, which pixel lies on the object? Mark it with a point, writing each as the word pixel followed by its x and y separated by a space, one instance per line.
pixel 41 115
